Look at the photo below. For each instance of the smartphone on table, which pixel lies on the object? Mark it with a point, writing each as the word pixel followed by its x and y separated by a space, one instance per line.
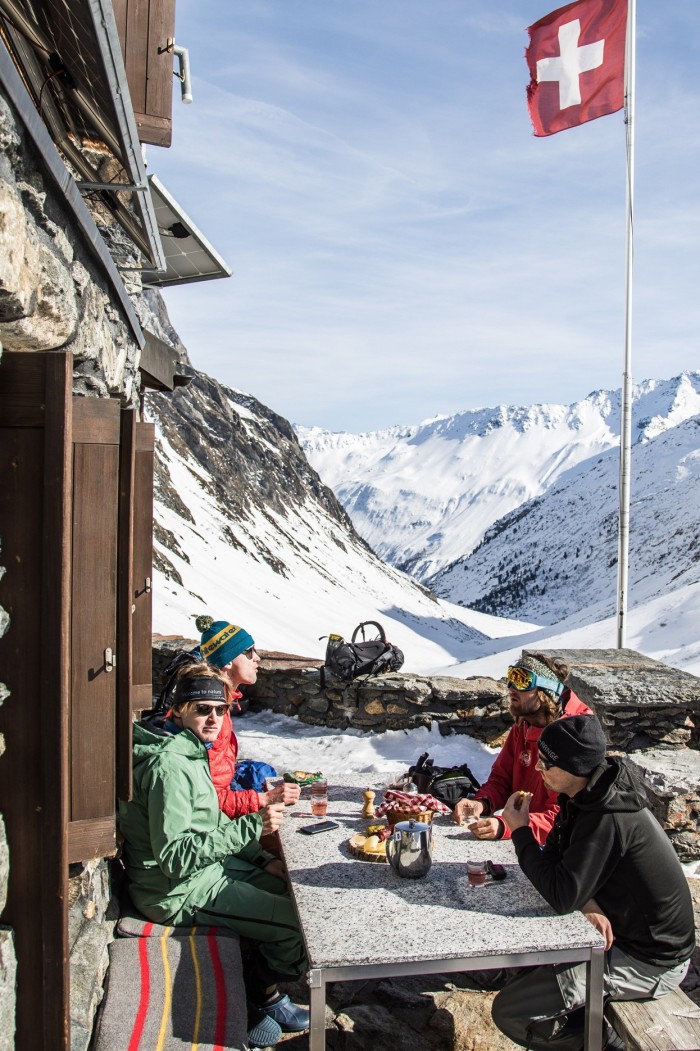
pixel 320 826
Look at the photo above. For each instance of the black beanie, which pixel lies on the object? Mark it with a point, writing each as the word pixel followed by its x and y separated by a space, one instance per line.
pixel 575 744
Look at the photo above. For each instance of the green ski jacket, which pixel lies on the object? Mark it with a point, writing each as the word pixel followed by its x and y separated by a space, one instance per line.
pixel 176 838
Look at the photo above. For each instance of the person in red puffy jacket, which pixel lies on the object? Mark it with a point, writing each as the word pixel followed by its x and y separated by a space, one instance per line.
pixel 231 648
pixel 537 697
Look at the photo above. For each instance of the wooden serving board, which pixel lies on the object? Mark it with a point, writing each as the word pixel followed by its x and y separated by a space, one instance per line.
pixel 356 848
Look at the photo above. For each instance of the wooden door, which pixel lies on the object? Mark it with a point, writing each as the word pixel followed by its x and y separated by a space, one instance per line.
pixel 75 475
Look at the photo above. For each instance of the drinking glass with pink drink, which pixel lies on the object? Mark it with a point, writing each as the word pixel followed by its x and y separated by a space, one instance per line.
pixel 319 798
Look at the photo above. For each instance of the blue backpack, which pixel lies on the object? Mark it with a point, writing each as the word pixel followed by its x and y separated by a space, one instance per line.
pixel 250 775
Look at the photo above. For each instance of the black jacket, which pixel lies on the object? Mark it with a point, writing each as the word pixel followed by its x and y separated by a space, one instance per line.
pixel 607 845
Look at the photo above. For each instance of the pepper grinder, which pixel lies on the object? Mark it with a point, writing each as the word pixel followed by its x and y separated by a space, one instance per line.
pixel 368 807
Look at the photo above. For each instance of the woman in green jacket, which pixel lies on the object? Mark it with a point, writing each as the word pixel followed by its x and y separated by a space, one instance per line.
pixel 188 864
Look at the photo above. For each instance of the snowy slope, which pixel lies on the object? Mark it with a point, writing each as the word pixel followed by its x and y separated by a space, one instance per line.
pixel 557 555
pixel 245 531
pixel 424 496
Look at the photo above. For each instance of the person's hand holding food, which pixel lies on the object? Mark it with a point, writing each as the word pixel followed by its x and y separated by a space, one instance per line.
pixel 516 812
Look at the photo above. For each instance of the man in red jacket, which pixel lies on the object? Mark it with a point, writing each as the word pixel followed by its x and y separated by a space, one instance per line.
pixel 232 649
pixel 537 697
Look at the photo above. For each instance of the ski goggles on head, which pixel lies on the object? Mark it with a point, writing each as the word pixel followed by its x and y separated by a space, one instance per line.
pixel 522 679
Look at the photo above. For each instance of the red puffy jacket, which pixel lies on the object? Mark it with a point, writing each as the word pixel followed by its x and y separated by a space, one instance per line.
pixel 222 766
pixel 515 768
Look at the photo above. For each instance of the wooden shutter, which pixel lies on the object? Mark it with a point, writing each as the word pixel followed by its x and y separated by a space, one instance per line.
pixel 146 28
pixel 134 674
pixel 142 659
pixel 35 489
pixel 96 436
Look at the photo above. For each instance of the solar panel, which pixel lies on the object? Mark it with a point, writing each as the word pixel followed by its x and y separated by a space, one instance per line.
pixel 188 254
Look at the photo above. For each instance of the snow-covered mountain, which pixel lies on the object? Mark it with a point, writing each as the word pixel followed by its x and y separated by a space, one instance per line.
pixel 557 554
pixel 246 531
pixel 424 496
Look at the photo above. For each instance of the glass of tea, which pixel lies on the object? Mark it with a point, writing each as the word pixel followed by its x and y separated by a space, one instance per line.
pixel 319 798
pixel 476 873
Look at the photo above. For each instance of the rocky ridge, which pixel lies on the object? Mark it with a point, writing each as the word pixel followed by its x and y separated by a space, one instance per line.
pixel 250 459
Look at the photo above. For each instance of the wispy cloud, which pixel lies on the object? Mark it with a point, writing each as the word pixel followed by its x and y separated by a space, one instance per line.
pixel 369 171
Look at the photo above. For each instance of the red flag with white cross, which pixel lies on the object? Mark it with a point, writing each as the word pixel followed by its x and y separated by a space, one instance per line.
pixel 576 59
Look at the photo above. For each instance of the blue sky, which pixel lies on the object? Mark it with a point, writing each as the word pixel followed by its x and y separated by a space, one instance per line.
pixel 402 245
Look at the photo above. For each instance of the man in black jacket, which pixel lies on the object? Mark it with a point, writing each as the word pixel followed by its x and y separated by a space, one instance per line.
pixel 608 856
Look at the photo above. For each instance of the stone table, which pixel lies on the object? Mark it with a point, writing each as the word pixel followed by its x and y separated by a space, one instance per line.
pixel 360 920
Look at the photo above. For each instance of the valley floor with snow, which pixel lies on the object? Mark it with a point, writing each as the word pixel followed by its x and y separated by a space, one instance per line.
pixel 666 627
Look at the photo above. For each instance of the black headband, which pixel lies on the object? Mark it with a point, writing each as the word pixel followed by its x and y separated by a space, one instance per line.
pixel 199 688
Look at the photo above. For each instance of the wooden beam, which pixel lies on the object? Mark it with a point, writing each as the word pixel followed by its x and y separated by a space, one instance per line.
pixel 91 838
pixel 35 498
pixel 671 1023
pixel 55 689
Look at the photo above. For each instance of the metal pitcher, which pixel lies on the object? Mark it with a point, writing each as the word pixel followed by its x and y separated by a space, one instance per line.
pixel 409 849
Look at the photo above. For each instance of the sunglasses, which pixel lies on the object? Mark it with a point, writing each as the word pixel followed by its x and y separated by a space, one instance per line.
pixel 219 710
pixel 522 679
pixel 544 763
pixel 250 653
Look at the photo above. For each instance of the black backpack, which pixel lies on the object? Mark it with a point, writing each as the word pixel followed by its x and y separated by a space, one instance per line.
pixel 181 657
pixel 348 660
pixel 449 784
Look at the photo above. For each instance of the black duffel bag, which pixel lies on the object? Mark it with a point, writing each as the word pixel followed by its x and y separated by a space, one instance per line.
pixel 348 660
pixel 449 784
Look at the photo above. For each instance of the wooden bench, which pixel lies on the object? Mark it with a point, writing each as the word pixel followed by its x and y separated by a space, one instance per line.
pixel 671 1023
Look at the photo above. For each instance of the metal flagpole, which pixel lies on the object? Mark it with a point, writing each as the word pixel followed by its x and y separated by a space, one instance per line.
pixel 626 400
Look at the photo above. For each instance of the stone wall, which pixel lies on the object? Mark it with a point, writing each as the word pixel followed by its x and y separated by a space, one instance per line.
pixel 292 685
pixel 54 295
pixel 672 781
pixel 642 703
pixel 8 961
pixel 477 706
pixel 92 915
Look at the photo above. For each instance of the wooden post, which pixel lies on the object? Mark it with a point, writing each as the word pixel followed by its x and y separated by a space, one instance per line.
pixel 35 493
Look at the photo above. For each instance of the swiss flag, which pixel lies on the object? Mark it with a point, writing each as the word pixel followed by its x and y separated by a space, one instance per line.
pixel 576 59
